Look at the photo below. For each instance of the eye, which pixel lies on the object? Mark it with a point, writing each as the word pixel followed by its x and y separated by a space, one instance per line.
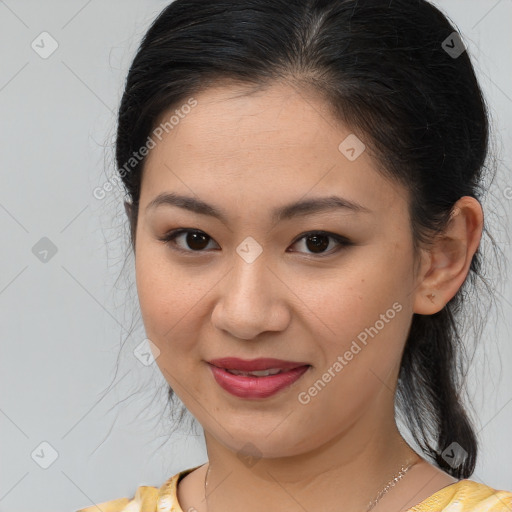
pixel 319 241
pixel 194 240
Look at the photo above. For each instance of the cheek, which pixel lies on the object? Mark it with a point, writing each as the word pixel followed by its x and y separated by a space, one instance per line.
pixel 352 296
pixel 360 311
pixel 170 308
pixel 168 297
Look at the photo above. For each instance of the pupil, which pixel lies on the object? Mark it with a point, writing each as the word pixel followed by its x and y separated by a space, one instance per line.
pixel 317 242
pixel 193 238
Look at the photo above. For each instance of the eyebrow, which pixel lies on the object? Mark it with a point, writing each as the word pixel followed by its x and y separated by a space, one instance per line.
pixel 286 212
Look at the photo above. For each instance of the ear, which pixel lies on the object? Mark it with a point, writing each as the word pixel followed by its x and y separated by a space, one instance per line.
pixel 446 263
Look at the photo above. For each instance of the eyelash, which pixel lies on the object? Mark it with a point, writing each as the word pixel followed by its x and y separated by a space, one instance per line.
pixel 169 239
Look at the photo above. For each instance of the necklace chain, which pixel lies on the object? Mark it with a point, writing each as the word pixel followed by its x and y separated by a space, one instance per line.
pixel 371 504
pixel 390 484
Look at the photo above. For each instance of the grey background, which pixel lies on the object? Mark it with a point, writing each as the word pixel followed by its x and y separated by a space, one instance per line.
pixel 63 321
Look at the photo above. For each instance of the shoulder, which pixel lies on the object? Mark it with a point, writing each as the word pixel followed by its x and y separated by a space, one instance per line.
pixel 464 496
pixel 146 498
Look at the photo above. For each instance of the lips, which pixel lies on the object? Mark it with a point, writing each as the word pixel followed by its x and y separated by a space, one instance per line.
pixel 257 378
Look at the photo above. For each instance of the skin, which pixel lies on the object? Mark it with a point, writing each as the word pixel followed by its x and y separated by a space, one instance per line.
pixel 247 153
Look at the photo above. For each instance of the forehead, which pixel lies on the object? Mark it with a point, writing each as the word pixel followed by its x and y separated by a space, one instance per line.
pixel 276 117
pixel 275 144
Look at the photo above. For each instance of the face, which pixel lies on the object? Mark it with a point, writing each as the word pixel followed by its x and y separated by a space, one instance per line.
pixel 250 285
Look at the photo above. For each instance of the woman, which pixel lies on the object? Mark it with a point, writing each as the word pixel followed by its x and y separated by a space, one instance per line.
pixel 303 181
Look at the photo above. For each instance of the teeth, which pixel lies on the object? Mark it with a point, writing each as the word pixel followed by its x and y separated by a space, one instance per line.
pixel 259 373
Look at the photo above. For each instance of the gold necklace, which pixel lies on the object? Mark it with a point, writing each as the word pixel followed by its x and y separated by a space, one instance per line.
pixel 371 504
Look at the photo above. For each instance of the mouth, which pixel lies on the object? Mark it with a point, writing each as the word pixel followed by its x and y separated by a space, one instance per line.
pixel 257 378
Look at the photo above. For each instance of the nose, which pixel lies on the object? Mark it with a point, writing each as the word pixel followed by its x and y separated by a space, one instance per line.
pixel 251 300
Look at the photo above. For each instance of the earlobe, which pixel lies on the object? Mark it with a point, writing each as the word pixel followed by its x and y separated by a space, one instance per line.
pixel 449 258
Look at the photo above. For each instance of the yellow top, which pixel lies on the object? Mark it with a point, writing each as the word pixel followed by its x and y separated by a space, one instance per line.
pixel 462 496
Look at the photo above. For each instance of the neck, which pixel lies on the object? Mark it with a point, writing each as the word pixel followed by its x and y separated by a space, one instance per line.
pixel 350 468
